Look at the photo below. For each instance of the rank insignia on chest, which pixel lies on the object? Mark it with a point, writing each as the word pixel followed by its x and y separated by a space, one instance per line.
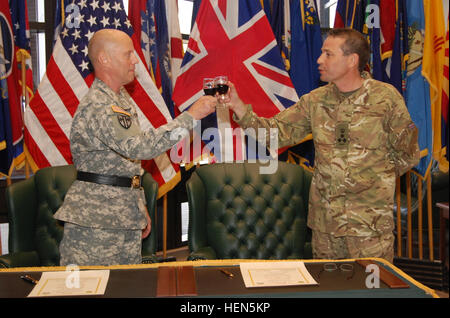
pixel 123 116
pixel 342 134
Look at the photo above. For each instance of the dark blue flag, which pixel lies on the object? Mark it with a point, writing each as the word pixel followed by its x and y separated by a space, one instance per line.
pixel 14 44
pixel 306 44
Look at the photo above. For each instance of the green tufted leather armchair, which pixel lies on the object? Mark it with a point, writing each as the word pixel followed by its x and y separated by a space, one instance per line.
pixel 236 212
pixel 34 234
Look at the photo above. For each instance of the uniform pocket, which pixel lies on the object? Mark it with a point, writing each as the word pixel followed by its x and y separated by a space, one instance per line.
pixel 367 129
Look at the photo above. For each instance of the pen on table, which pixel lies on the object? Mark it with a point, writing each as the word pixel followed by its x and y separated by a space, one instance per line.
pixel 227 273
pixel 29 279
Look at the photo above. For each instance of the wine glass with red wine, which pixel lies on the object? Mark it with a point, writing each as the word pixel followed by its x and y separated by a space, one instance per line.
pixel 221 84
pixel 209 87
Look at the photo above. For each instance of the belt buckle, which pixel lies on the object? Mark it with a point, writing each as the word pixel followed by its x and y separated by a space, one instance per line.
pixel 136 182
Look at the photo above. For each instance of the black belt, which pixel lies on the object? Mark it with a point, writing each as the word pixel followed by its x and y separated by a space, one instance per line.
pixel 133 182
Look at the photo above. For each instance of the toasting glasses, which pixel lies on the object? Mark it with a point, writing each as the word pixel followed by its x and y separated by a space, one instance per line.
pixel 219 85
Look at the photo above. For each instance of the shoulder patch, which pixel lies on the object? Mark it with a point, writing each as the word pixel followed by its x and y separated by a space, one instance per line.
pixel 120 110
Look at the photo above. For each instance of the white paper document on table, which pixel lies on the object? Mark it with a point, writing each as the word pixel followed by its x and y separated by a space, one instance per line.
pixel 71 283
pixel 270 274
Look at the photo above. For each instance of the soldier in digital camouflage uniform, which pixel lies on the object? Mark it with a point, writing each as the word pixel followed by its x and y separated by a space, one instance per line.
pixel 103 223
pixel 363 137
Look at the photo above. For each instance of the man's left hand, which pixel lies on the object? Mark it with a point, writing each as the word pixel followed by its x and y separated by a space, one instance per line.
pixel 148 228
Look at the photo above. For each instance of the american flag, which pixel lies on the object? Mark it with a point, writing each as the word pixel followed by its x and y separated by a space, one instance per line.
pixel 68 77
pixel 234 38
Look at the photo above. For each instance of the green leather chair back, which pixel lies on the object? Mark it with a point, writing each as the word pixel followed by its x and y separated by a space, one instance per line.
pixel 51 186
pixel 34 235
pixel 237 212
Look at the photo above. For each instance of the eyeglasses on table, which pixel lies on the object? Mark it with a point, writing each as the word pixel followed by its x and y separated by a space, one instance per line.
pixel 344 267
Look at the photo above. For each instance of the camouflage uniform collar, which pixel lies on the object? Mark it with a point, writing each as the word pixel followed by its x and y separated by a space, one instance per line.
pixel 339 96
pixel 107 90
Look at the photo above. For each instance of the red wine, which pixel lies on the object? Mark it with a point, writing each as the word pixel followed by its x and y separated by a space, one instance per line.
pixel 222 88
pixel 210 91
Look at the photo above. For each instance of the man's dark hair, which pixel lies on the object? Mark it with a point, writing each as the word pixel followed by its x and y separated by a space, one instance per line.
pixel 354 43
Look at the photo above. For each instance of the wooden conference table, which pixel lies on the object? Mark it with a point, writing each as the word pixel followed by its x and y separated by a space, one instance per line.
pixel 209 280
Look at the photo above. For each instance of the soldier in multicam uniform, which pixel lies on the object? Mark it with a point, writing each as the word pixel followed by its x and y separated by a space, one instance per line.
pixel 104 213
pixel 363 137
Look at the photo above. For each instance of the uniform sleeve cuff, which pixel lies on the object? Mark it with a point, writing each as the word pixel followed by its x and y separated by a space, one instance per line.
pixel 244 121
pixel 186 120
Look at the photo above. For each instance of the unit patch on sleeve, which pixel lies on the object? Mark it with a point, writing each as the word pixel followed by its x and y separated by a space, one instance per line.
pixel 123 116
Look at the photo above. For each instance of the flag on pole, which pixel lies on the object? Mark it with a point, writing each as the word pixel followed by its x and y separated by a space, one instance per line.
pixel 306 45
pixel 176 42
pixel 417 94
pixel 156 25
pixel 67 79
pixel 305 49
pixel 278 14
pixel 443 163
pixel 234 38
pixel 388 19
pixel 393 43
pixel 19 17
pixel 350 14
pixel 11 122
pixel 344 14
pixel 432 66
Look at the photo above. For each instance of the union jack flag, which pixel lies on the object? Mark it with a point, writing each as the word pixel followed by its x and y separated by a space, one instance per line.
pixel 68 78
pixel 234 38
